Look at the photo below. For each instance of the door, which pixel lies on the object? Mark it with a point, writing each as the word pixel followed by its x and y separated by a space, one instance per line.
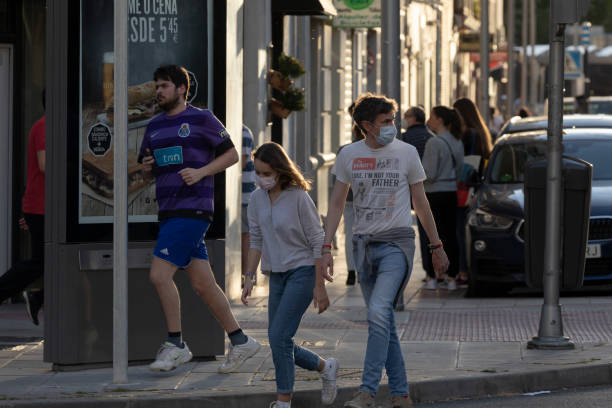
pixel 6 167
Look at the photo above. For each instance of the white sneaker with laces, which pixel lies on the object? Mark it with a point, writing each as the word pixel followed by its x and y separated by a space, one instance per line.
pixel 329 389
pixel 431 284
pixel 237 355
pixel 451 284
pixel 170 356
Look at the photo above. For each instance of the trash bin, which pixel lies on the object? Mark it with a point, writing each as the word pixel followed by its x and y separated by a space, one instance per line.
pixel 576 188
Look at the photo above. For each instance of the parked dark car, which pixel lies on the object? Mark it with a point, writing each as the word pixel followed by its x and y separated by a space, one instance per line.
pixel 494 229
pixel 518 124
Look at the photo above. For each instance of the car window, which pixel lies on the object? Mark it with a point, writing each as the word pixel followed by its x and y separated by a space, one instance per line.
pixel 508 164
pixel 596 152
pixel 600 107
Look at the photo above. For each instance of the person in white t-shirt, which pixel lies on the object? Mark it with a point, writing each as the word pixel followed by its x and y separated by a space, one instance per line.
pixel 385 174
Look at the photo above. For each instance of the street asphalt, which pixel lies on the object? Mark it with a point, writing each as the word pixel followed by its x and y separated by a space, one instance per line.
pixel 454 348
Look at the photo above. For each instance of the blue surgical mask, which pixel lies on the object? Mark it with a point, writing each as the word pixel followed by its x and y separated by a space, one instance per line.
pixel 386 135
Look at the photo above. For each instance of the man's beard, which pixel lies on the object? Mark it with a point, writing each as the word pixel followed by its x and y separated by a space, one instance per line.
pixel 170 103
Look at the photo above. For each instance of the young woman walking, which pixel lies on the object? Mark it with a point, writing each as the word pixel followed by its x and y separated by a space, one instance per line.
pixel 443 162
pixel 287 237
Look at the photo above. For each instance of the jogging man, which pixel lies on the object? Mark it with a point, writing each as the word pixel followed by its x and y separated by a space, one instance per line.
pixel 389 173
pixel 184 148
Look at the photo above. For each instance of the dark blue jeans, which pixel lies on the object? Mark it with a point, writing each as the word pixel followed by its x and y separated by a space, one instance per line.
pixel 290 295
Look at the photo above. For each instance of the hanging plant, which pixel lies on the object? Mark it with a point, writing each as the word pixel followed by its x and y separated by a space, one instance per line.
pixel 277 108
pixel 278 81
pixel 290 67
pixel 293 99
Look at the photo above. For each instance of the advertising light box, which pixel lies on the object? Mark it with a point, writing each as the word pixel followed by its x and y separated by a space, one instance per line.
pixel 160 32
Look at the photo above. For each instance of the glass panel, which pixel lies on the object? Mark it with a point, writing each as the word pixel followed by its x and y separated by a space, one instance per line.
pixel 159 33
pixel 509 163
pixel 32 83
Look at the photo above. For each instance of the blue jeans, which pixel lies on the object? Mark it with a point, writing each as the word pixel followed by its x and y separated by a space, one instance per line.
pixel 290 295
pixel 379 291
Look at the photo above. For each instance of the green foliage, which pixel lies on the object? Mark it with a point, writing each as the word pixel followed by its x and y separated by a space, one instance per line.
pixel 293 99
pixel 290 66
pixel 600 13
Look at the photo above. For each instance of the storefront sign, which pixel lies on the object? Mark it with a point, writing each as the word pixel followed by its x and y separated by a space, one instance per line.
pixel 159 32
pixel 357 13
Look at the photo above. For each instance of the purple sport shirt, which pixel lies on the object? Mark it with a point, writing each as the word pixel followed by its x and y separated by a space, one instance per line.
pixel 188 139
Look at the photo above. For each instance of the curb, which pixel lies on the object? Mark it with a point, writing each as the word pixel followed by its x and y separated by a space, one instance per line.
pixel 422 391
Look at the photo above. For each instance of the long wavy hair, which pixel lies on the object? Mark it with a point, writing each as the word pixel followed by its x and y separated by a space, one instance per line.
pixel 275 156
pixel 473 120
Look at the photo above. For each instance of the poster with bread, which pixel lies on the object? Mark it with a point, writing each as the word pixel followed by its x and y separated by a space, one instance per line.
pixel 159 33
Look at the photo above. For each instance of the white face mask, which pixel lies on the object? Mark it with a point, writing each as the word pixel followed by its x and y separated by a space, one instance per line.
pixel 265 183
pixel 386 134
pixel 404 123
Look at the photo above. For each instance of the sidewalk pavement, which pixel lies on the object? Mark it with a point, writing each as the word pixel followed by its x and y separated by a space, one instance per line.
pixel 453 347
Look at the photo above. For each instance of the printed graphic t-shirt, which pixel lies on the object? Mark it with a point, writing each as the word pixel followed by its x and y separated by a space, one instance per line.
pixel 380 179
pixel 189 139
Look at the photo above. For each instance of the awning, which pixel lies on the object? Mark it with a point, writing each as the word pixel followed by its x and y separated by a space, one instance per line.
pixel 304 7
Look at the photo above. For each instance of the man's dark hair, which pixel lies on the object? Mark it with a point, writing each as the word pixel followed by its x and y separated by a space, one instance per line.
pixel 175 73
pixel 368 106
pixel 418 113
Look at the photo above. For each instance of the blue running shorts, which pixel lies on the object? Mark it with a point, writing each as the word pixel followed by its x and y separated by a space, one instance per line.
pixel 181 239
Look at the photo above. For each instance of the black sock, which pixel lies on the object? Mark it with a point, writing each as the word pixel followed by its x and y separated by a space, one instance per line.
pixel 176 339
pixel 237 337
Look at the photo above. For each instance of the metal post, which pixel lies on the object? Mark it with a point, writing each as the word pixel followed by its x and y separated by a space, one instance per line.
pixel 120 219
pixel 391 58
pixel 524 25
pixel 510 44
pixel 550 333
pixel 484 61
pixel 533 69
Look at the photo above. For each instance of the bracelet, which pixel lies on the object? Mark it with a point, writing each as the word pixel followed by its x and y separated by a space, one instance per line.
pixel 433 247
pixel 326 246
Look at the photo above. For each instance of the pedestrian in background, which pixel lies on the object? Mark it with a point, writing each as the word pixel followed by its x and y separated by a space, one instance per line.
pixel 443 161
pixel 185 147
pixel 523 112
pixel 248 186
pixel 24 273
pixel 287 237
pixel 475 135
pixel 477 147
pixel 415 133
pixel 387 173
pixel 497 122
pixel 349 214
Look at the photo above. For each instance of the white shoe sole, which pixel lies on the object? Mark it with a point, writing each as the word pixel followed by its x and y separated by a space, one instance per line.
pixel 222 370
pixel 154 367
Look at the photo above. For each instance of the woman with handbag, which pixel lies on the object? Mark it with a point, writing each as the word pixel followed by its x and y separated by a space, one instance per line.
pixel 443 162
pixel 477 144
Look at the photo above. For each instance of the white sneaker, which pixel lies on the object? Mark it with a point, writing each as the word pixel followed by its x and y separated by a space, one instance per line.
pixel 329 389
pixel 431 284
pixel 170 356
pixel 451 284
pixel 237 355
